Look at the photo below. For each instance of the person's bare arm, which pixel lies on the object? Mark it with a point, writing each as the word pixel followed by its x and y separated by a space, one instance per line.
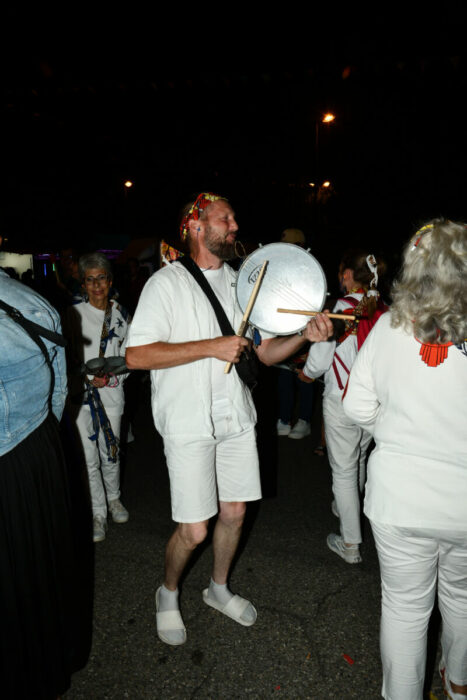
pixel 274 350
pixel 161 355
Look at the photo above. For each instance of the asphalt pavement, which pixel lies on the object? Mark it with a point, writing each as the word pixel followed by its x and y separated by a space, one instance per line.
pixel 317 630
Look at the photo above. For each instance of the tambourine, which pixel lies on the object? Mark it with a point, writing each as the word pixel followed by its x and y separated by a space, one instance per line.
pixel 103 366
pixel 294 279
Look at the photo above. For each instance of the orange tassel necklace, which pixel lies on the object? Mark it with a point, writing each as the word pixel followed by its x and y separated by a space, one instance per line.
pixel 433 354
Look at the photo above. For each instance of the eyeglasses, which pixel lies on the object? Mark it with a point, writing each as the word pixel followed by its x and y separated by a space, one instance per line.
pixel 95 280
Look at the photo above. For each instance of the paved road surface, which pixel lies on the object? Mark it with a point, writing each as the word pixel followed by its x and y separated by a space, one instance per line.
pixel 313 608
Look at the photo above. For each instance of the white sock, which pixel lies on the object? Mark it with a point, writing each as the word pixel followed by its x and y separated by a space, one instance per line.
pixel 221 593
pixel 168 600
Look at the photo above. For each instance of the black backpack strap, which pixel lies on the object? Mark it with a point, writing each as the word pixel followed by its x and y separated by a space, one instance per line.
pixel 35 331
pixel 224 323
pixel 17 316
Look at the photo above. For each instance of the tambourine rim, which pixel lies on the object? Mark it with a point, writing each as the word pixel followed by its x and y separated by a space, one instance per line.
pixel 295 247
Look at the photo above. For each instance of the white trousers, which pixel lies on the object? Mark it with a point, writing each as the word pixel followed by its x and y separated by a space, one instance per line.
pixel 104 475
pixel 347 445
pixel 412 561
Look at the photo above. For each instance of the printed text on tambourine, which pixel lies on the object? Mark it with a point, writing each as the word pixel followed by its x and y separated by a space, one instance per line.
pixel 253 276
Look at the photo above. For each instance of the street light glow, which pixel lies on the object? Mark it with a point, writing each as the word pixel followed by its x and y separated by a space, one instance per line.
pixel 326 183
pixel 328 117
pixel 312 184
pixel 128 184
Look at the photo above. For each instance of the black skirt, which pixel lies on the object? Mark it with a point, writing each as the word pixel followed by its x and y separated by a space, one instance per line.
pixel 44 602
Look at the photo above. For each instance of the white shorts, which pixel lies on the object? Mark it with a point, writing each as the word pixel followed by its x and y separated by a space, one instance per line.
pixel 204 471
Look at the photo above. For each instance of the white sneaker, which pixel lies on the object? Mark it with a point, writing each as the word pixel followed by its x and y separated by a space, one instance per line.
pixel 300 430
pixel 99 527
pixel 118 512
pixel 349 554
pixel 283 428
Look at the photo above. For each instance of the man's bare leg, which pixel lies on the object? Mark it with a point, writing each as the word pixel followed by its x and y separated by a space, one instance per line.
pixel 180 547
pixel 226 538
pixel 225 542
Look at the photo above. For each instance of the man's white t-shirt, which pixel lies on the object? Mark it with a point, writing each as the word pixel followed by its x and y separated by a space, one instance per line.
pixel 221 288
pixel 174 309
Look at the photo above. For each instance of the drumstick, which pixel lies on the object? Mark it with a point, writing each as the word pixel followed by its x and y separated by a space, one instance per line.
pixel 345 317
pixel 249 306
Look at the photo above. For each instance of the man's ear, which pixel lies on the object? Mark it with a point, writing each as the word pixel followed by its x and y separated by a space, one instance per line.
pixel 195 227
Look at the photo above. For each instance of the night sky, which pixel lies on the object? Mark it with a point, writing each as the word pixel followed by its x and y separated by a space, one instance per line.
pixel 77 129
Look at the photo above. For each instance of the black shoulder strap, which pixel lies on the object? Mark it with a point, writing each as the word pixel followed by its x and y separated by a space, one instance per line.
pixel 224 323
pixel 35 331
pixel 25 323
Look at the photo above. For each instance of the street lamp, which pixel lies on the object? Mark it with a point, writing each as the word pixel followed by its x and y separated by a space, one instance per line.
pixel 326 118
pixel 127 185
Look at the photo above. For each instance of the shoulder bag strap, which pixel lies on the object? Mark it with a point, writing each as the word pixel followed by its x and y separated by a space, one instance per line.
pixel 224 323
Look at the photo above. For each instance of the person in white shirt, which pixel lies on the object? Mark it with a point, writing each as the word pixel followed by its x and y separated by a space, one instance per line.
pixel 98 327
pixel 206 417
pixel 347 443
pixel 408 388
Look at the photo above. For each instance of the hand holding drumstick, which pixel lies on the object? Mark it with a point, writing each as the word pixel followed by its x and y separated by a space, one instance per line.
pixel 319 328
pixel 244 324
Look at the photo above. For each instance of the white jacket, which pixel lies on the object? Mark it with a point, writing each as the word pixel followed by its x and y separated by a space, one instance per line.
pixel 417 474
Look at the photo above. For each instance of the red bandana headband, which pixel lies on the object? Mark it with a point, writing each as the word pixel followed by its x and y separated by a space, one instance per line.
pixel 202 201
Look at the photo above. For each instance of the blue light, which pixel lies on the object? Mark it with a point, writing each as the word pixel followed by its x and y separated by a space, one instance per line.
pixel 45 269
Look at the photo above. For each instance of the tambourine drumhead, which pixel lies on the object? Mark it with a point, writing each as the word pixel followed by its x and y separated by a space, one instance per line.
pixel 294 279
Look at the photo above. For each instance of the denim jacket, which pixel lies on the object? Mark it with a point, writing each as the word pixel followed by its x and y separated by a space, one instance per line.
pixel 24 375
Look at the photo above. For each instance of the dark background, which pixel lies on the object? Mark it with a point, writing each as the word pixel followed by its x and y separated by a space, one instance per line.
pixel 76 127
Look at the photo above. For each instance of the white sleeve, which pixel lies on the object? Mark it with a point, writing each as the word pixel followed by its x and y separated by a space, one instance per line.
pixel 319 360
pixel 152 320
pixel 321 355
pixel 360 401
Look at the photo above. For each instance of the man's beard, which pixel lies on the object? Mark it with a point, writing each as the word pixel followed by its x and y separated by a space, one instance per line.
pixel 221 249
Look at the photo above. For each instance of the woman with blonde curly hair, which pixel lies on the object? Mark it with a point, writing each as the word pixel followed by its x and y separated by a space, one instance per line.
pixel 408 387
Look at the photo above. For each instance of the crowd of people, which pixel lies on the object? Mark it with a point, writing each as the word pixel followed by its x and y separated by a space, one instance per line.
pixel 396 376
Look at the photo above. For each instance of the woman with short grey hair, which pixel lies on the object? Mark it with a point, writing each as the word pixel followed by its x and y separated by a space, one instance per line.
pixel 97 328
pixel 408 387
pixel 94 260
